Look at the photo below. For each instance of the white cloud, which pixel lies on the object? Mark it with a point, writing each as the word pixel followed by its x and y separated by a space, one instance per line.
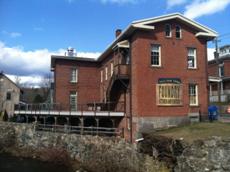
pixel 28 81
pixel 172 3
pixel 200 8
pixel 12 34
pixel 17 61
pixel 210 53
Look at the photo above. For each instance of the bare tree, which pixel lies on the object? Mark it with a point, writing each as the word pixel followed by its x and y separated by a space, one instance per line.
pixel 18 81
pixel 46 86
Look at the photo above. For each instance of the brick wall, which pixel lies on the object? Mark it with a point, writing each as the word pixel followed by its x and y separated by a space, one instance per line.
pixel 87 87
pixel 174 65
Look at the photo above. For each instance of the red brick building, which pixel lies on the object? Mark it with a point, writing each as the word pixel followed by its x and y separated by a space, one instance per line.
pixel 155 71
pixel 219 76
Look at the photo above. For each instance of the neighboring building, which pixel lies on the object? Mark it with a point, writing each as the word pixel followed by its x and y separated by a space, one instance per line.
pixel 155 72
pixel 219 76
pixel 9 95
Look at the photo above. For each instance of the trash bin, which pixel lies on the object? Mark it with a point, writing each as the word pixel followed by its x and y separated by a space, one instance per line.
pixel 212 113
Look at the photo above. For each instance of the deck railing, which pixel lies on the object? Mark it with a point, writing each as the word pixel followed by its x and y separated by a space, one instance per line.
pixel 91 107
pixel 121 70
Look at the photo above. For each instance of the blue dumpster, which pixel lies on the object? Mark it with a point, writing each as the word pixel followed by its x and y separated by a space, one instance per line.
pixel 212 113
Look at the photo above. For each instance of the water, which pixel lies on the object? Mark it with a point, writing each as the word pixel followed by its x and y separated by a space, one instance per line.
pixel 9 163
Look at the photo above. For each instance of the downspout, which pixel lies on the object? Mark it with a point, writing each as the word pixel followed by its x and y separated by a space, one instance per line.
pixel 130 92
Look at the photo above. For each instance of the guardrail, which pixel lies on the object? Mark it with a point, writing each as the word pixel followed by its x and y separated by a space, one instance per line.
pixel 95 107
pixel 78 129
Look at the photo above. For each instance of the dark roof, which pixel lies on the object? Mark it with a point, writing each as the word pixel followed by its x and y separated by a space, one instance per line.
pixel 82 59
pixel 225 46
pixel 219 60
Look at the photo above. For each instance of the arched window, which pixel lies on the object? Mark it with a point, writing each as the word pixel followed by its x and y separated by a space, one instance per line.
pixel 178 32
pixel 168 30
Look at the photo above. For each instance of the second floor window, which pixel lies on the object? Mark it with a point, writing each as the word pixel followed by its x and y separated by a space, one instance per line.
pixel 191 58
pixel 111 67
pixel 221 70
pixel 101 75
pixel 106 73
pixel 74 75
pixel 178 32
pixel 168 32
pixel 156 55
pixel 8 96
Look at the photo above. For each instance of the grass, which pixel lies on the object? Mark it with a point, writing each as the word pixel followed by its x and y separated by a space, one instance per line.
pixel 197 131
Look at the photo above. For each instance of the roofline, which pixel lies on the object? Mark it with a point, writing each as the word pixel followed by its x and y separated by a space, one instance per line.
pixel 173 15
pixel 81 59
pixel 2 74
pixel 141 24
pixel 228 45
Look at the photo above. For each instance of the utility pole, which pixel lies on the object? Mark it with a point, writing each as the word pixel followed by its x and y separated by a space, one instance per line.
pixel 216 55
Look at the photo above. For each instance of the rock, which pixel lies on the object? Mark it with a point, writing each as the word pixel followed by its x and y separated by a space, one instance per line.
pixel 209 155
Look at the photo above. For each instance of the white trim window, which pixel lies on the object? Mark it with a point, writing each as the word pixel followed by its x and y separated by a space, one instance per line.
pixel 111 68
pixel 221 70
pixel 106 73
pixel 73 101
pixel 191 59
pixel 74 75
pixel 156 55
pixel 178 32
pixel 168 31
pixel 193 94
pixel 101 76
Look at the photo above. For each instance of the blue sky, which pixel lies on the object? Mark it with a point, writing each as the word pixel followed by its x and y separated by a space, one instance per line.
pixel 31 30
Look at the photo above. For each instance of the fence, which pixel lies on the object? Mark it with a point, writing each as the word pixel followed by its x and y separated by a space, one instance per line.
pixel 79 129
pixel 109 106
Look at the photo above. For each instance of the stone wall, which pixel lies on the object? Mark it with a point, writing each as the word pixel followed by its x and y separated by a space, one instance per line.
pixel 209 155
pixel 92 153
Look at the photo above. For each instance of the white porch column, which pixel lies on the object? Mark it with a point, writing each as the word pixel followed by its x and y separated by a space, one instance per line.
pixel 221 88
pixel 210 89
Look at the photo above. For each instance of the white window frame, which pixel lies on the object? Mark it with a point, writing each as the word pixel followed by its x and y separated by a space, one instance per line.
pixel 180 31
pixel 106 73
pixel 170 31
pixel 159 51
pixel 194 57
pixel 111 68
pixel 73 107
pixel 101 76
pixel 74 75
pixel 169 98
pixel 195 90
pixel 220 70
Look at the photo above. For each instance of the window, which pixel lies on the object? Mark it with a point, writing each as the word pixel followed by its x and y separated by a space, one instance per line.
pixel 111 67
pixel 156 55
pixel 168 32
pixel 178 32
pixel 193 95
pixel 8 96
pixel 221 70
pixel 73 101
pixel 74 75
pixel 106 73
pixel 101 75
pixel 169 94
pixel 191 58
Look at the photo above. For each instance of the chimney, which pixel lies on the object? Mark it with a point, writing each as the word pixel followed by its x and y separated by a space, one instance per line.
pixel 118 32
pixel 70 52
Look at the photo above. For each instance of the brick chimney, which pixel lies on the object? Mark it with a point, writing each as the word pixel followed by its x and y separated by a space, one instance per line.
pixel 118 32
